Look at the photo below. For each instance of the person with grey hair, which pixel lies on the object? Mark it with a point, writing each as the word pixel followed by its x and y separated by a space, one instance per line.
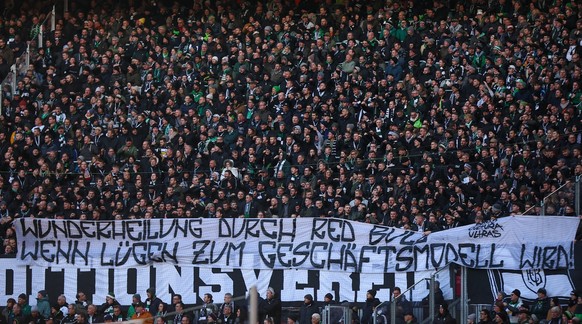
pixel 271 306
pixel 315 318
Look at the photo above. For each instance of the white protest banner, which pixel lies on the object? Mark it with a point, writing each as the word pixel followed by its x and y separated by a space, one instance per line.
pixel 513 243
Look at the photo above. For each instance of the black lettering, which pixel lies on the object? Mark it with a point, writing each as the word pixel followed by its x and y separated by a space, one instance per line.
pixel 40 232
pixel 301 250
pixel 404 259
pixel 450 249
pixel 549 261
pixel 251 228
pixel 74 230
pixel 172 230
pixel 291 233
pixel 32 230
pixel 118 231
pixel 195 231
pixel 331 229
pixel 234 248
pixel 314 247
pixel 214 258
pixel 103 230
pixel 478 259
pixel 88 228
pixel 318 225
pixel 180 227
pixel 406 235
pixel 387 250
pixel 64 253
pixel 350 260
pixel 33 253
pixel 340 259
pixel 422 252
pixel 273 223
pixel 173 254
pixel 379 233
pixel 268 259
pixel 155 250
pixel 148 229
pixel 525 263
pixel 139 257
pixel 492 255
pixel 463 255
pixel 46 248
pixel 130 229
pixel 437 250
pixel 199 248
pixel 84 255
pixel 281 253
pixel 363 259
pixel 57 228
pixel 103 262
pixel 124 257
pixel 224 229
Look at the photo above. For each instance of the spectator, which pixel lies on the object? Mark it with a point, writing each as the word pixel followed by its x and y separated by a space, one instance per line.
pixel 152 303
pixel 369 307
pixel 271 306
pixel 43 305
pixel 444 317
pixel 107 307
pixel 208 309
pixel 142 315
pixel 24 306
pixel 513 306
pixel 541 305
pixel 308 308
pixel 135 299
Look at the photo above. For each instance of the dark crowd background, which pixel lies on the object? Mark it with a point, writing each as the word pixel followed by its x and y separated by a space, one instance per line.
pixel 420 115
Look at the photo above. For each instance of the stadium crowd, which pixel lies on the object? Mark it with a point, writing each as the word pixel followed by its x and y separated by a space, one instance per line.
pixel 420 115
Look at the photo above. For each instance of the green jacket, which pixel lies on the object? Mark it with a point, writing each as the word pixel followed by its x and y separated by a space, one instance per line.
pixel 44 307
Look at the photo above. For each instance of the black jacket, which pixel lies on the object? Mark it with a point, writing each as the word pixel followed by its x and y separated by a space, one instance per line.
pixel 369 310
pixel 271 308
pixel 306 311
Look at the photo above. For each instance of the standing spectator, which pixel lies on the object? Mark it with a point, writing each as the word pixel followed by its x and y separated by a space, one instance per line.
pixel 8 308
pixel 541 305
pixel 308 308
pixel 152 302
pixel 443 316
pixel 23 302
pixel 369 307
pixel 271 306
pixel 208 309
pixel 43 305
pixel 513 306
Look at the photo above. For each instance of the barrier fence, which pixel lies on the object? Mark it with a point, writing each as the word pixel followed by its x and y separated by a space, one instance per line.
pixel 22 64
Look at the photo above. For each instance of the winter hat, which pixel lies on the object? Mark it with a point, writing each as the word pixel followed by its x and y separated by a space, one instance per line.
pixel 110 295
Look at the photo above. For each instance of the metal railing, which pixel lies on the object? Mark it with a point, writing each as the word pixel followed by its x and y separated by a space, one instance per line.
pixel 21 63
pixel 334 314
pixel 562 200
pixel 421 300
